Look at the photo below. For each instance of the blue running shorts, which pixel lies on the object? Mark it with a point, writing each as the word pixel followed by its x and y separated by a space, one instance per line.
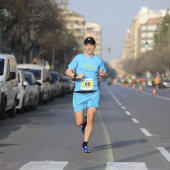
pixel 84 100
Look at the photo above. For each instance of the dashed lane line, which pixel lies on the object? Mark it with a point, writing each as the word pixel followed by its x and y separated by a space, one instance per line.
pixel 135 120
pixel 164 152
pixel 128 113
pixel 145 132
pixel 123 107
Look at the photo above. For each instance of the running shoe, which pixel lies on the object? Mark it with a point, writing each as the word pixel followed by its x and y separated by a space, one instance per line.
pixel 85 149
pixel 84 125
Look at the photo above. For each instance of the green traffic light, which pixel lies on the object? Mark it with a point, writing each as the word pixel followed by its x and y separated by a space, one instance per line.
pixel 146 45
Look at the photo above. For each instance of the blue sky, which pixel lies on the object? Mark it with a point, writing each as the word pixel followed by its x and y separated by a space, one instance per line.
pixel 115 17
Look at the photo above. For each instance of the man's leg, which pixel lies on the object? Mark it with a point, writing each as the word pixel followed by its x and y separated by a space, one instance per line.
pixel 90 123
pixel 79 118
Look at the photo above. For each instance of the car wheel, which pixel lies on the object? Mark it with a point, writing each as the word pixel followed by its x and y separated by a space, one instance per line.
pixel 37 103
pixel 27 108
pixel 34 107
pixel 41 98
pixel 12 112
pixel 47 99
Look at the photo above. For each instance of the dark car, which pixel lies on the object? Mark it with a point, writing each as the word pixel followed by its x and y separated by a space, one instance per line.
pixel 59 81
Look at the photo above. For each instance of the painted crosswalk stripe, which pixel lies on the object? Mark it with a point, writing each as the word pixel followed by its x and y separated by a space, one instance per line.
pixel 145 132
pixel 164 152
pixel 135 120
pixel 44 165
pixel 126 166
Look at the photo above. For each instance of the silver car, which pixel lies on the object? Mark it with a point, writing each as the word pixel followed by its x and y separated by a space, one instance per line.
pixel 34 89
pixel 58 86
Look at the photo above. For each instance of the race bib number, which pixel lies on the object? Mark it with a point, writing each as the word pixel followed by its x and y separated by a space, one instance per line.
pixel 86 84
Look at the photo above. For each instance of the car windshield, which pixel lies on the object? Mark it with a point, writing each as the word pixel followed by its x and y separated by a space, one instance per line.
pixel 28 79
pixel 54 76
pixel 1 67
pixel 66 80
pixel 37 73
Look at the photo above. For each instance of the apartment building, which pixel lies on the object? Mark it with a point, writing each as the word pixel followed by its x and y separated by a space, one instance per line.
pixel 132 42
pixel 146 34
pixel 94 30
pixel 75 24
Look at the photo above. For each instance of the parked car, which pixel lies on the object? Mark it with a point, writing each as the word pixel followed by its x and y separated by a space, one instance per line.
pixel 34 89
pixel 24 93
pixel 69 84
pixel 51 87
pixel 9 85
pixel 63 83
pixel 58 86
pixel 41 75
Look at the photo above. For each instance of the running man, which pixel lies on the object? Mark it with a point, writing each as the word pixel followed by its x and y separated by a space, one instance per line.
pixel 87 67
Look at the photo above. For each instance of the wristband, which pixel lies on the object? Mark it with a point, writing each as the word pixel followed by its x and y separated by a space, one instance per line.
pixel 75 75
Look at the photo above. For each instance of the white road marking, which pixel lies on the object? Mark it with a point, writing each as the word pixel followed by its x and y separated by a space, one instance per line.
pixel 145 132
pixel 44 165
pixel 135 120
pixel 123 107
pixel 119 104
pixel 164 152
pixel 165 98
pixel 126 166
pixel 128 113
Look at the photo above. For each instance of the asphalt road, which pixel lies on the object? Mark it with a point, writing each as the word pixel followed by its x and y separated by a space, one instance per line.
pixel 131 132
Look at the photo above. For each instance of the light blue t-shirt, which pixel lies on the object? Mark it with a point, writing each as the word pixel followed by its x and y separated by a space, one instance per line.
pixel 89 66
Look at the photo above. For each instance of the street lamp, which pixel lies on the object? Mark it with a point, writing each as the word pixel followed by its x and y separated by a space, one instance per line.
pixel 167 24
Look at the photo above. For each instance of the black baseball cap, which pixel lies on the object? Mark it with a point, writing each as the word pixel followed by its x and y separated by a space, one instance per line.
pixel 89 40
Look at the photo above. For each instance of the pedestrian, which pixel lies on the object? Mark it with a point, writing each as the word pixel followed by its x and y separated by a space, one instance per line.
pixel 85 69
pixel 157 81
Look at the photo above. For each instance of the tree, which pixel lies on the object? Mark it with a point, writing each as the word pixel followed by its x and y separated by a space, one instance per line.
pixel 32 25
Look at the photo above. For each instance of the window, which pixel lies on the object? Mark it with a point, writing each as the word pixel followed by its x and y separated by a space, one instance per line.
pixel 151 27
pixel 7 69
pixel 150 35
pixel 143 35
pixel 54 76
pixel 1 66
pixel 143 28
pixel 28 79
pixel 37 73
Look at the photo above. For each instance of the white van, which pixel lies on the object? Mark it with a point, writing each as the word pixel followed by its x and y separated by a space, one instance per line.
pixel 41 75
pixel 9 85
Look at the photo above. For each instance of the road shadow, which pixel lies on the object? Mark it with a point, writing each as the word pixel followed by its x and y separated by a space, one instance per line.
pixel 117 144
